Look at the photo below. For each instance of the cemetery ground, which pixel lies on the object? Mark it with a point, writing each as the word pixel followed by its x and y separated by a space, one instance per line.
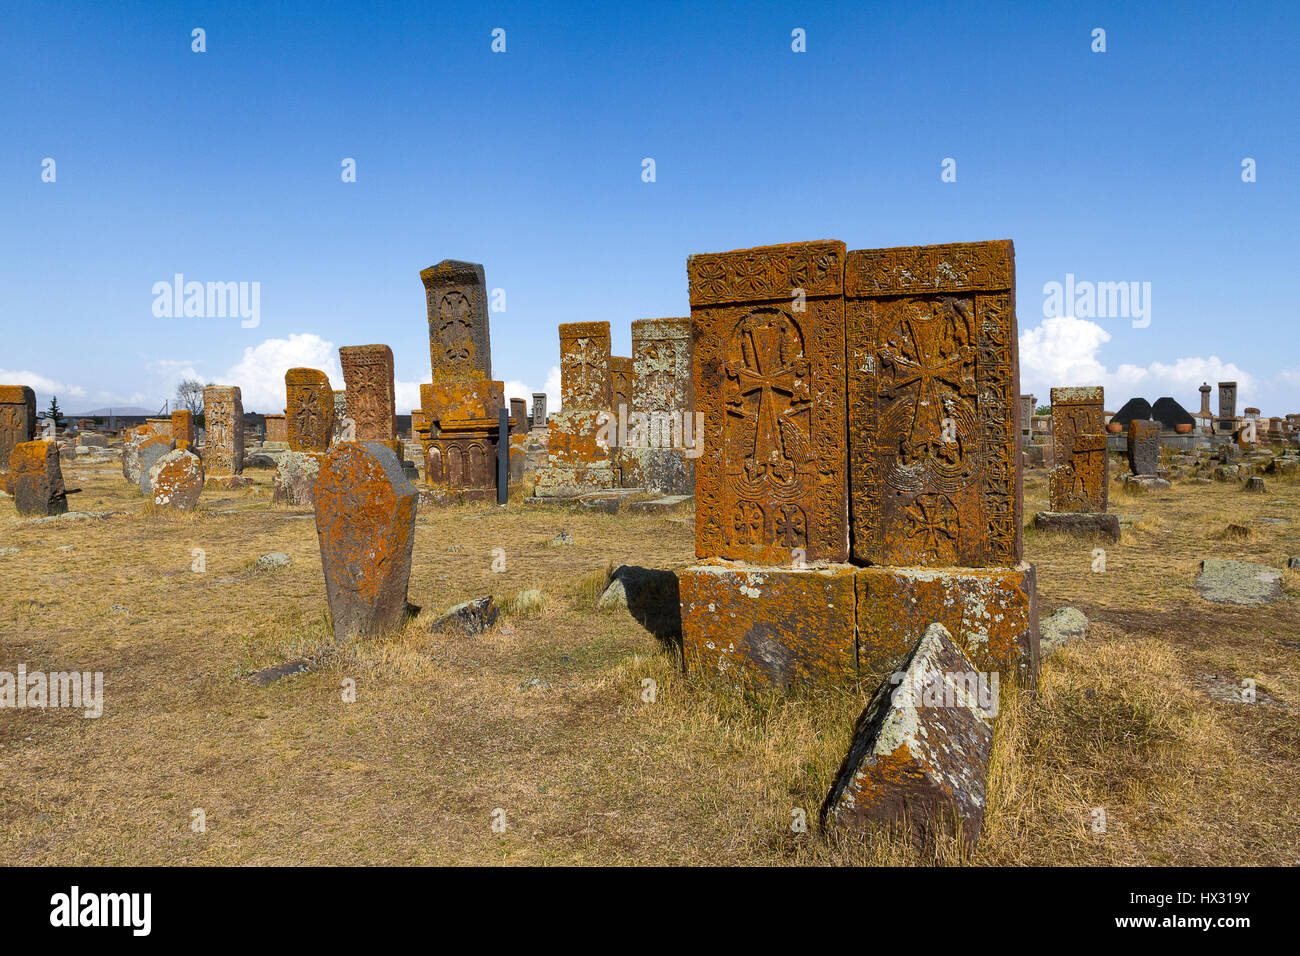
pixel 543 717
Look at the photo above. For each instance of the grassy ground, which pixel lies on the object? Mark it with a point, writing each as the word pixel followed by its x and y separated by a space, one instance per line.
pixel 445 731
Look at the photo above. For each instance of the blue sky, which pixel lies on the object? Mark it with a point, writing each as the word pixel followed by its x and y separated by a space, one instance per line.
pixel 1122 166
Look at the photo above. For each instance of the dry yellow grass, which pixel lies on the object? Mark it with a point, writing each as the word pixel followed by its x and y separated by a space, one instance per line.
pixel 446 730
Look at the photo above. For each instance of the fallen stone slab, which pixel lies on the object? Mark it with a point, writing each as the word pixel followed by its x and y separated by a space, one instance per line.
pixel 666 503
pixel 269 675
pixel 273 561
pixel 1079 523
pixel 1060 628
pixel 73 516
pixel 1243 583
pixel 469 617
pixel 920 751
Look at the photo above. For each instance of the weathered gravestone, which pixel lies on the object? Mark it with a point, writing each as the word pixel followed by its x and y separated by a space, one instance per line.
pixel 365 520
pixel 659 454
pixel 277 431
pixel 344 428
pixel 183 428
pixel 35 479
pixel 1227 408
pixel 620 377
pixel 921 749
pixel 176 480
pixel 539 410
pixel 580 456
pixel 458 426
pixel 17 419
pixel 308 410
pixel 371 405
pixel 151 450
pixel 1143 447
pixel 1080 480
pixel 518 438
pixel 295 478
pixel 928 398
pixel 223 448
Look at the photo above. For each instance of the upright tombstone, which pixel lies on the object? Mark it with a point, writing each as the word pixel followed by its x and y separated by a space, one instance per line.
pixel 911 353
pixel 539 410
pixel 460 347
pixel 1080 480
pixel 308 410
pixel 365 521
pixel 1205 417
pixel 621 379
pixel 518 438
pixel 35 479
pixel 933 404
pixel 344 429
pixel 223 448
pixel 371 402
pixel 183 428
pixel 580 454
pixel 17 419
pixel 1079 484
pixel 277 431
pixel 771 484
pixel 458 424
pixel 1027 411
pixel 176 479
pixel 1227 422
pixel 1143 447
pixel 662 438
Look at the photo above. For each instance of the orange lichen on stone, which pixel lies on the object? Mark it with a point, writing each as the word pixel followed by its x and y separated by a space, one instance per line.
pixel 365 520
pixel 1080 481
pixel 183 427
pixel 223 443
pixel 17 418
pixel 768 334
pixel 35 479
pixel 764 626
pixel 921 749
pixel 466 399
pixel 176 480
pixel 460 346
pixel 371 402
pixel 308 410
pixel 585 369
pixel 933 395
pixel 992 614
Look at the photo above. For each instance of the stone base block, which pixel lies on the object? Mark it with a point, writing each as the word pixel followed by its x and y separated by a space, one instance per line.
pixel 562 482
pixel 992 614
pixel 763 626
pixel 664 471
pixel 1084 524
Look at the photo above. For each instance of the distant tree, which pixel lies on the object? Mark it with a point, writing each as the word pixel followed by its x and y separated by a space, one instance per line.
pixel 54 412
pixel 189 394
pixel 1044 410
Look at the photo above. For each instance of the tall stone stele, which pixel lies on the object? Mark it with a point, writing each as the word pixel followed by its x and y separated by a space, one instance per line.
pixel 17 419
pixel 457 423
pixel 365 521
pixel 911 353
pixel 35 479
pixel 661 435
pixel 580 454
pixel 1079 485
pixel 223 446
pixel 1227 422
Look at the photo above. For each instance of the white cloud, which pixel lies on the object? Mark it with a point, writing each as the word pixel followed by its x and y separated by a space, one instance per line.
pixel 260 373
pixel 40 383
pixel 1063 352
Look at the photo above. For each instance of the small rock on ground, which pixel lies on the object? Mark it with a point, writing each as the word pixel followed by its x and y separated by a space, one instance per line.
pixel 561 539
pixel 274 560
pixel 1066 625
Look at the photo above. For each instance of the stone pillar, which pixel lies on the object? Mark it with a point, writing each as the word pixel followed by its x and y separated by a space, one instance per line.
pixel 223 445
pixel 183 428
pixel 371 405
pixel 659 453
pixel 17 419
pixel 621 378
pixel 308 410
pixel 539 410
pixel 1079 484
pixel 580 455
pixel 1227 407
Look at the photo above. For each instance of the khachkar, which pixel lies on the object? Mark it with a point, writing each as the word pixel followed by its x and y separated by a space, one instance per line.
pixel 932 465
pixel 371 406
pixel 458 420
pixel 309 410
pixel 223 443
pixel 660 434
pixel 1227 421
pixel 580 451
pixel 17 419
pixel 1078 487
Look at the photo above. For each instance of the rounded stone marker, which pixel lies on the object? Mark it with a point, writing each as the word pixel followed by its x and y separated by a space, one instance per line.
pixel 176 480
pixel 365 520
